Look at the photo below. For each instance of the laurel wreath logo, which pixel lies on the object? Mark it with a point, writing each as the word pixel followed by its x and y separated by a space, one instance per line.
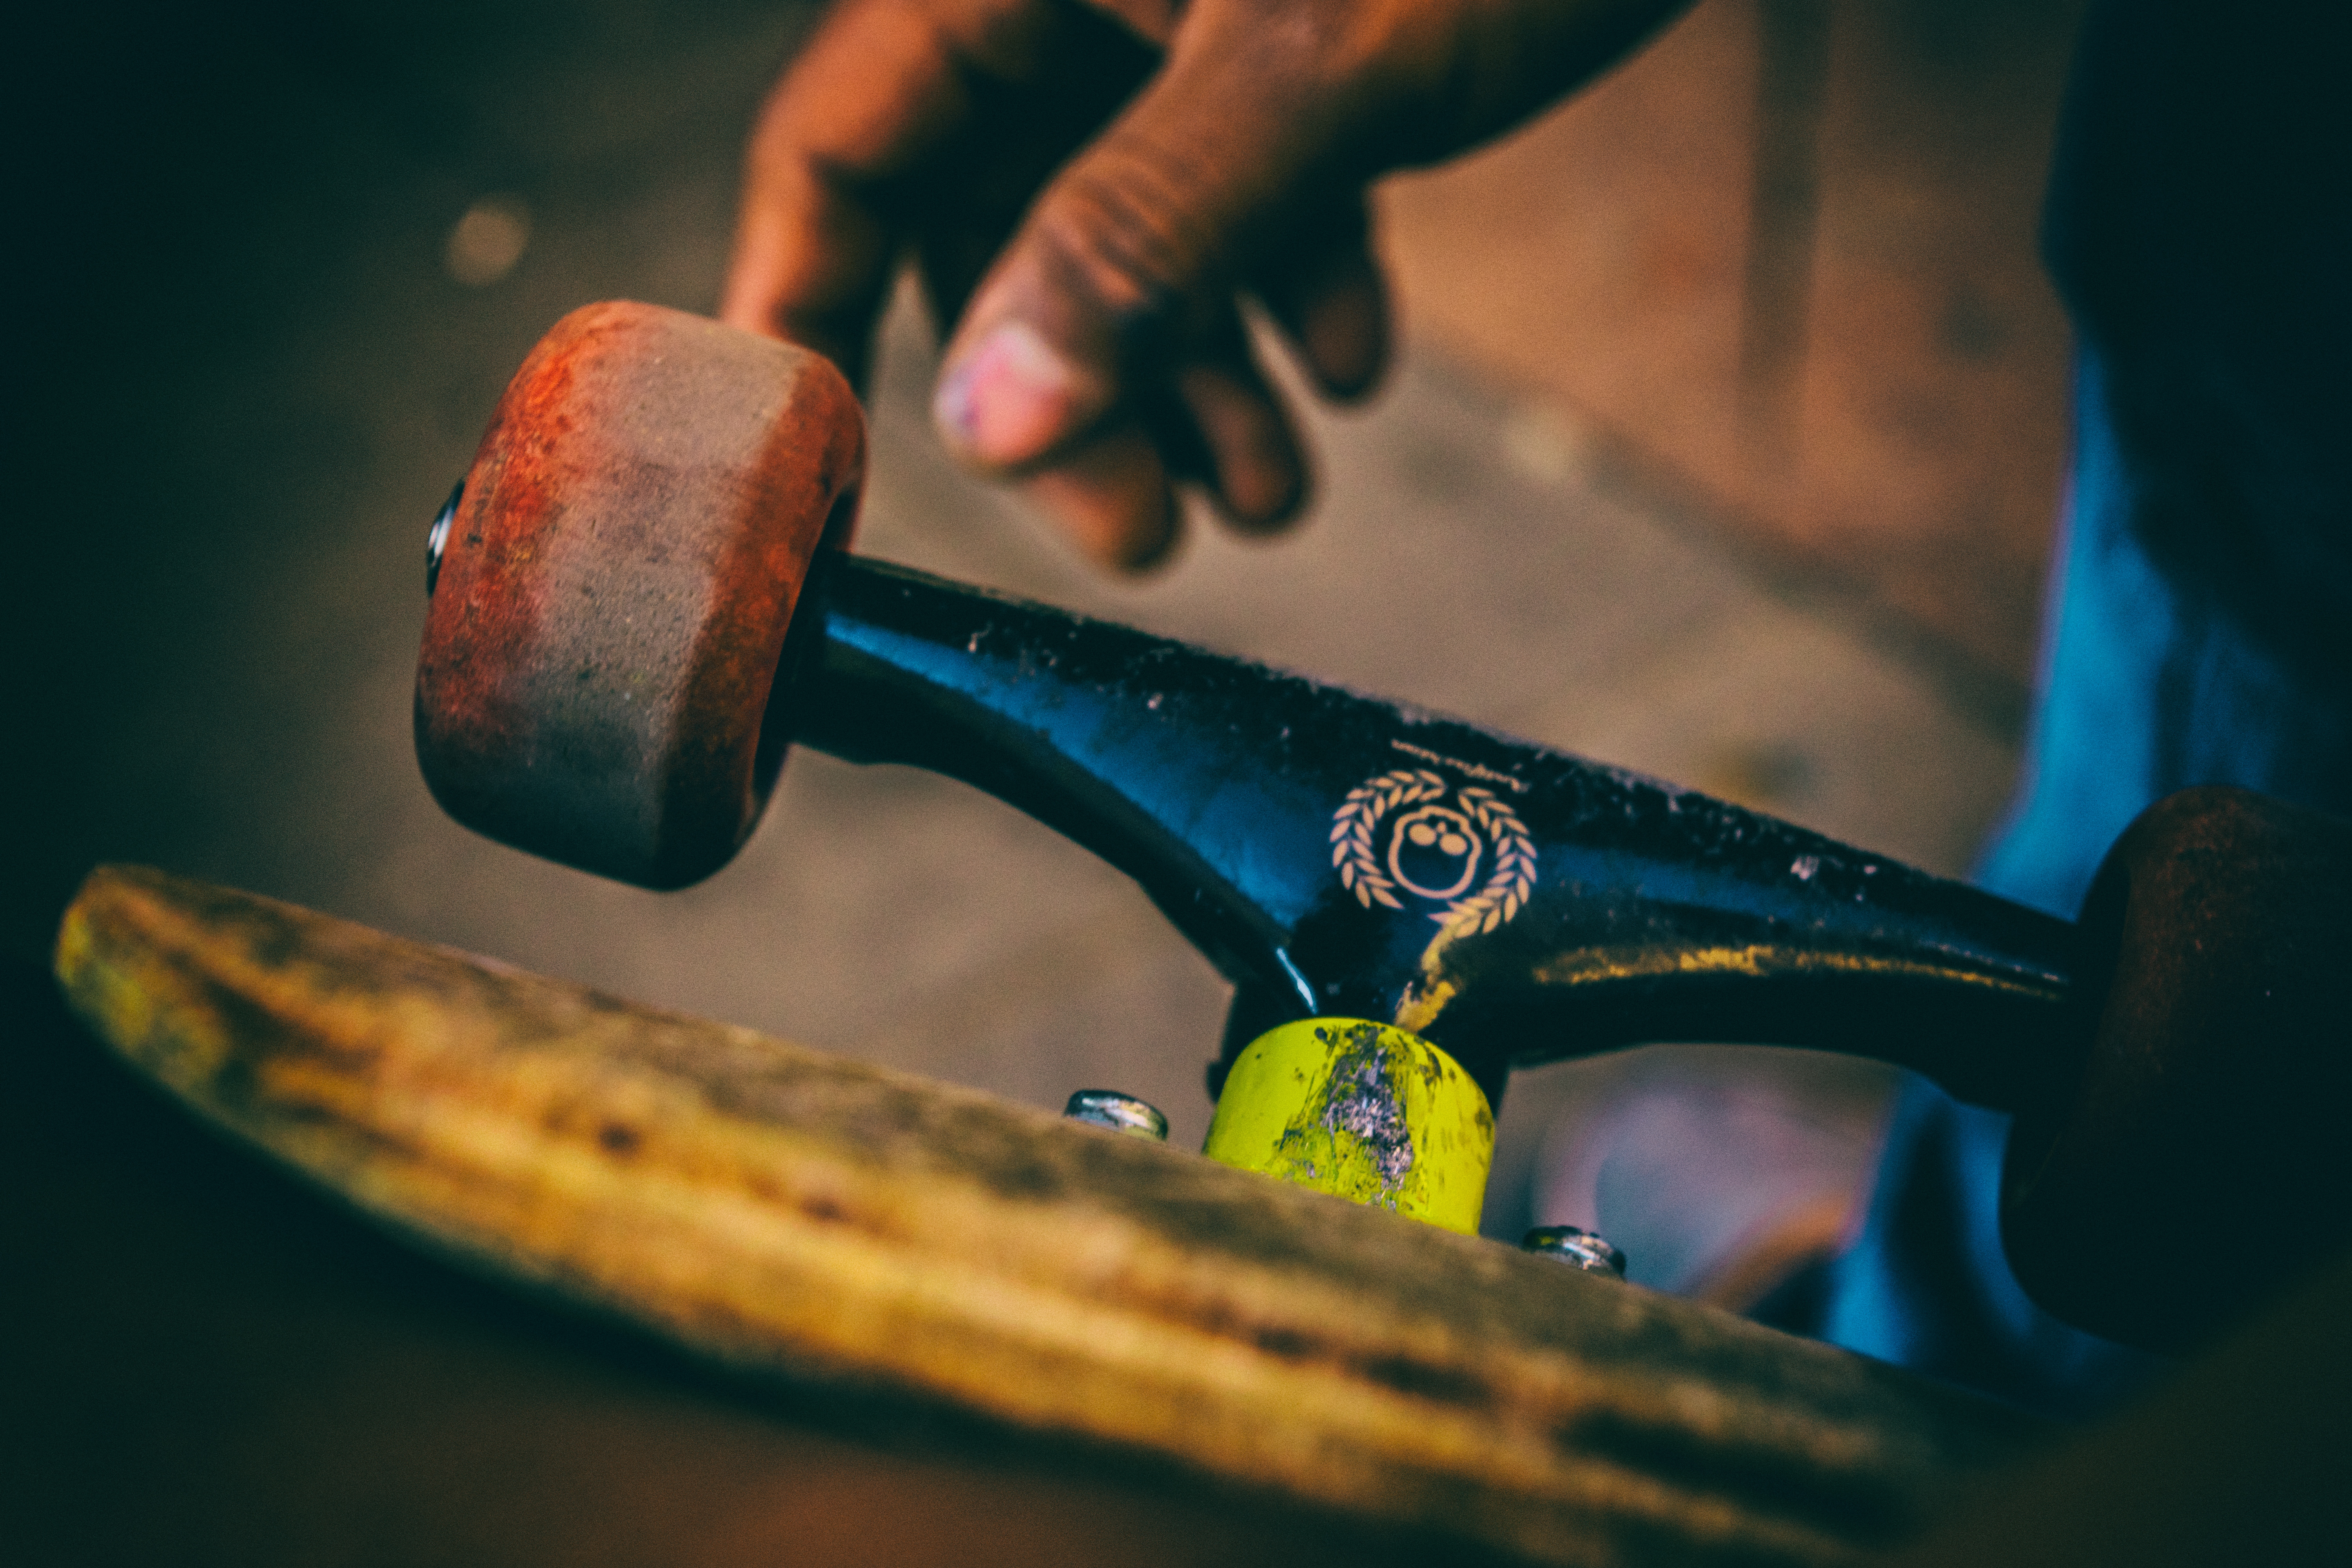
pixel 1355 828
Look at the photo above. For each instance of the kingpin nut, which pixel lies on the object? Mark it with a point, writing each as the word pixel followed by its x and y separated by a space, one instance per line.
pixel 1120 1113
pixel 1577 1249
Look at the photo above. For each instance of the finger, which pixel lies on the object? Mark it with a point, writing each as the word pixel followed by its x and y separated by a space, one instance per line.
pixel 1255 466
pixel 1215 420
pixel 1325 290
pixel 969 204
pixel 880 90
pixel 1216 423
pixel 1110 494
pixel 1130 252
pixel 1137 247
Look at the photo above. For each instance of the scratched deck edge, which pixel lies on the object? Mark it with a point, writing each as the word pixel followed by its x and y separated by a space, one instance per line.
pixel 825 1222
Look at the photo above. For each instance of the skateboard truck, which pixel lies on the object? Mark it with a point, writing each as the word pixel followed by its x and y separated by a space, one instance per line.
pixel 638 599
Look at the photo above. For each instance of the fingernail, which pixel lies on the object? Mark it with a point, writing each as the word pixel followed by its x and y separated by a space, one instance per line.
pixel 1009 400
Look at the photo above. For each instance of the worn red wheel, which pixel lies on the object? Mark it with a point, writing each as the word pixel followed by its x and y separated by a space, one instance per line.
pixel 611 595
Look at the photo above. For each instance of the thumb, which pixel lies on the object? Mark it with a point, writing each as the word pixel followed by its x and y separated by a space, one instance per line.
pixel 1128 255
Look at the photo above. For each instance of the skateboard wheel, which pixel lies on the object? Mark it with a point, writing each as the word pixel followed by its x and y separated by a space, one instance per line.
pixel 598 681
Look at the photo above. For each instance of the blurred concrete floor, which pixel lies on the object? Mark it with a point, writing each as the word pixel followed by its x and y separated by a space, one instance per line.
pixel 253 368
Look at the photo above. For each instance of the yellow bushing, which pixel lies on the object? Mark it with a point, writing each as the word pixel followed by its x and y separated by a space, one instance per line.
pixel 1362 1110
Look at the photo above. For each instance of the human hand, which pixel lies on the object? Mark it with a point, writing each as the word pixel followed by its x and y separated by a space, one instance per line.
pixel 1091 187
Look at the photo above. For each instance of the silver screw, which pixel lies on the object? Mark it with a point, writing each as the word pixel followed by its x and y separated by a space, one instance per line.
pixel 1577 1249
pixel 1120 1113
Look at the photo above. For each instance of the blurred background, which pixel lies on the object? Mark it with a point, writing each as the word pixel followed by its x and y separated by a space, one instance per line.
pixel 1723 445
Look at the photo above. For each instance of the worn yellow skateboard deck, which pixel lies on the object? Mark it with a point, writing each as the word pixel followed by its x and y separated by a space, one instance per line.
pixel 799 1216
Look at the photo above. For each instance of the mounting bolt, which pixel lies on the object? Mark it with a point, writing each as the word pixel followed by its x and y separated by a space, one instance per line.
pixel 1578 1248
pixel 1120 1113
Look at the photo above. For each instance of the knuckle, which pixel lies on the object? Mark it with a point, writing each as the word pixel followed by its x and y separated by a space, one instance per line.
pixel 1130 225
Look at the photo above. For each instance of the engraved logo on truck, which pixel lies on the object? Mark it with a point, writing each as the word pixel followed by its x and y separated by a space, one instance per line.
pixel 1408 838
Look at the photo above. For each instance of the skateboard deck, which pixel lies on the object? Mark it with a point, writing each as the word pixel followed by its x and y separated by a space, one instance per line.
pixel 794 1215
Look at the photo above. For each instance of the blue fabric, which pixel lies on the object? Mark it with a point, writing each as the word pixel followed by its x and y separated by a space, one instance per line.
pixel 1927 1285
pixel 2201 617
pixel 2198 230
pixel 2148 686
